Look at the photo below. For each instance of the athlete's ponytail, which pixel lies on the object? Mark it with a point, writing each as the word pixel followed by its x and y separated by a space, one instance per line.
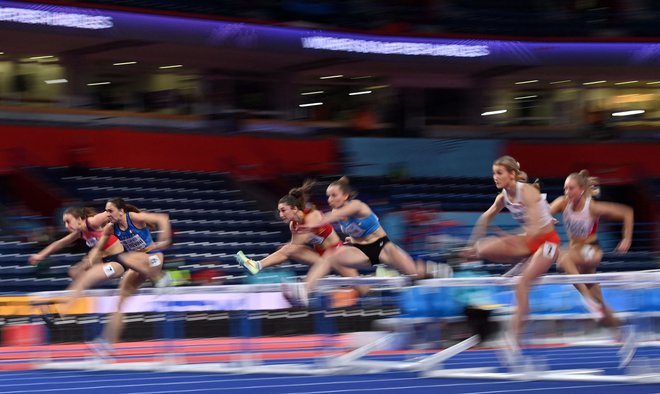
pixel 299 196
pixel 344 185
pixel 80 212
pixel 121 204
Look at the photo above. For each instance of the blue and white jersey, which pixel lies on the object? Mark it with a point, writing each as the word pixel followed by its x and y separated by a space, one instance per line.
pixel 360 227
pixel 133 239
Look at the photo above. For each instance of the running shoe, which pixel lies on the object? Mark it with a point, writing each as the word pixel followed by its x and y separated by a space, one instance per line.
pixel 593 306
pixel 510 353
pixel 164 281
pixel 384 272
pixel 295 294
pixel 628 347
pixel 101 348
pixel 247 263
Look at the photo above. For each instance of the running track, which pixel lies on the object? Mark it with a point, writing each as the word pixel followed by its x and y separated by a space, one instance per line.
pixel 109 382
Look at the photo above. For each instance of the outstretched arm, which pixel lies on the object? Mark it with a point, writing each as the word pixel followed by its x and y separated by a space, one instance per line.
pixel 480 227
pixel 53 247
pixel 300 236
pixel 617 212
pixel 353 208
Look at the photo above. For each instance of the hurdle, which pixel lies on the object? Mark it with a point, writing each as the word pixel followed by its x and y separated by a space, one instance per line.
pixel 354 361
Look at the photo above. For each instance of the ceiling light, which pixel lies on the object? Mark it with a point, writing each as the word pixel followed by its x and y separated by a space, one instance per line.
pixel 625 82
pixel 653 83
pixel 310 93
pixel 525 97
pixel 496 112
pixel 378 87
pixel 2 53
pixel 331 76
pixel 363 77
pixel 311 104
pixel 359 93
pixel 55 81
pixel 558 82
pixel 593 82
pixel 526 82
pixel 123 63
pixel 172 66
pixel 628 113
pixel 40 57
pixel 98 83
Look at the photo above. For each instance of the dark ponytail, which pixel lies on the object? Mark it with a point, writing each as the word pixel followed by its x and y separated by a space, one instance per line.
pixel 299 196
pixel 344 185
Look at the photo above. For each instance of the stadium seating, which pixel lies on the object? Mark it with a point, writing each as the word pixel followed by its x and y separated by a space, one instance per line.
pixel 212 219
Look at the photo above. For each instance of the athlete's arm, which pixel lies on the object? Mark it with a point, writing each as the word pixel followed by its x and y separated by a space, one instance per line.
pixel 53 247
pixel 160 220
pixel 480 227
pixel 312 220
pixel 98 221
pixel 94 254
pixel 616 212
pixel 558 205
pixel 354 208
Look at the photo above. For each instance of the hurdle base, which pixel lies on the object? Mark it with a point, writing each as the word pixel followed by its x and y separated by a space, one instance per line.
pixel 566 375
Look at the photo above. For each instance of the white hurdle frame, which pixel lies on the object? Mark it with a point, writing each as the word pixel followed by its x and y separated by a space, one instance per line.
pixel 240 365
pixel 352 362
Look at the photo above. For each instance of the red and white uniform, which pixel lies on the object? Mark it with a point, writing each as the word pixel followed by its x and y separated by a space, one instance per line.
pixel 519 212
pixel 580 224
pixel 319 234
pixel 92 236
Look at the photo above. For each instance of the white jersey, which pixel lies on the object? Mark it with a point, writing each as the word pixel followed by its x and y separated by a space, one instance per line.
pixel 579 224
pixel 519 210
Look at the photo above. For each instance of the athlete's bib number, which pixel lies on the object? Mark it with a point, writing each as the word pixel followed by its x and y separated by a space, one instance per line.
pixel 549 249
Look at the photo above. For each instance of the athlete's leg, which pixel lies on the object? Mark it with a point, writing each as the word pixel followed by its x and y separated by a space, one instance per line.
pixel 508 249
pixel 149 265
pixel 539 264
pixel 78 269
pixel 609 319
pixel 393 256
pixel 278 257
pixel 128 286
pixel 346 256
pixel 97 273
pixel 283 254
pixel 568 261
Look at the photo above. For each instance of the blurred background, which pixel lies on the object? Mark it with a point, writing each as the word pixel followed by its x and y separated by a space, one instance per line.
pixel 212 110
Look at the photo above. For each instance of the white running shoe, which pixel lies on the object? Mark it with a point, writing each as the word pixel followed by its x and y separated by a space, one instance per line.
pixel 510 352
pixel 102 349
pixel 593 306
pixel 164 281
pixel 384 272
pixel 296 294
pixel 629 346
pixel 252 266
pixel 517 269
